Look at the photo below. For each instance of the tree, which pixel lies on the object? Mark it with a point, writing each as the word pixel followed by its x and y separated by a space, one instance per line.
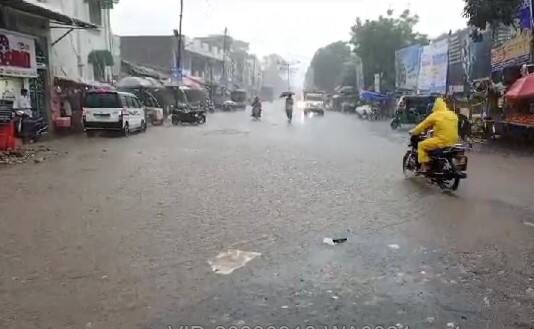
pixel 493 12
pixel 327 66
pixel 375 42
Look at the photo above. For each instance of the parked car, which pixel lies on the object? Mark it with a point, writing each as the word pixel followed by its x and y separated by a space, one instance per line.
pixel 113 111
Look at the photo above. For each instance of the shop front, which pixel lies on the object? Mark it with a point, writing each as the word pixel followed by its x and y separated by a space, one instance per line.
pixel 22 85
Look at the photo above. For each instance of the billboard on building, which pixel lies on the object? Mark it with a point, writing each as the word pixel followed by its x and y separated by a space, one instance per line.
pixel 524 15
pixel 513 52
pixel 434 64
pixel 17 55
pixel 458 54
pixel 407 65
pixel 478 58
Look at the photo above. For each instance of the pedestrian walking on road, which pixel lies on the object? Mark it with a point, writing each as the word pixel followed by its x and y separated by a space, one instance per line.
pixel 289 107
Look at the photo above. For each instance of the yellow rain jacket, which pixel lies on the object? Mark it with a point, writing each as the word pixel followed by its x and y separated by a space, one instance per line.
pixel 445 125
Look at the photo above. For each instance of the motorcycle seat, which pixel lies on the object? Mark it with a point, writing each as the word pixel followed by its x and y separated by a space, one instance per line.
pixel 441 152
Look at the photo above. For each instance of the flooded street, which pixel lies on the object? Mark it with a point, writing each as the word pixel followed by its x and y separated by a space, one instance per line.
pixel 126 232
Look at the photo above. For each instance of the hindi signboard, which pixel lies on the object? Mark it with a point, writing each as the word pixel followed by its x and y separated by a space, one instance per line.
pixel 17 55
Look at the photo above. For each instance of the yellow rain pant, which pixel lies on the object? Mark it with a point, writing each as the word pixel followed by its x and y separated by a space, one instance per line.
pixel 428 145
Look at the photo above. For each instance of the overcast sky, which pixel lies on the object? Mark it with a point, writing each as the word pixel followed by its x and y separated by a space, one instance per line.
pixel 294 29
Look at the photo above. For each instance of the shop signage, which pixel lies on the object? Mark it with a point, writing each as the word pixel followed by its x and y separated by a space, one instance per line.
pixel 513 52
pixel 407 65
pixel 434 64
pixel 17 55
pixel 524 14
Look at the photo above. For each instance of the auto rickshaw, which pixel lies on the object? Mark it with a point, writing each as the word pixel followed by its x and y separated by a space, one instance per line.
pixel 412 110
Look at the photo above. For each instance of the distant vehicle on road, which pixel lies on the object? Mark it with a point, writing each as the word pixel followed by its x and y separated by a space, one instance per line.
pixel 314 102
pixel 267 94
pixel 113 111
pixel 239 97
pixel 412 109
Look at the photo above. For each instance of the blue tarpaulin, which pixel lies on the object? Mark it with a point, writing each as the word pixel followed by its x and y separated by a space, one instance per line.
pixel 371 96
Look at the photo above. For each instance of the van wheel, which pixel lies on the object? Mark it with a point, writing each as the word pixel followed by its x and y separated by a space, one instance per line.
pixel 126 130
pixel 143 126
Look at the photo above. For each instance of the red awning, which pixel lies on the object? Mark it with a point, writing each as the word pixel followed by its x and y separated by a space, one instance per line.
pixel 191 83
pixel 521 89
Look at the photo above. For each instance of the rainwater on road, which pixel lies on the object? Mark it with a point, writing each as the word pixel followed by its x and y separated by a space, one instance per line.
pixel 130 232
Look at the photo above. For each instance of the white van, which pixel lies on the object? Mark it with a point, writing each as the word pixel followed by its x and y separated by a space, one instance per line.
pixel 113 110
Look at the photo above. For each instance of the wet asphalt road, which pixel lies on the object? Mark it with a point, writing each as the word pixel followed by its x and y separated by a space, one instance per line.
pixel 117 233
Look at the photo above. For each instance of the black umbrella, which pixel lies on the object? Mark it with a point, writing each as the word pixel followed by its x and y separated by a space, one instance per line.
pixel 286 94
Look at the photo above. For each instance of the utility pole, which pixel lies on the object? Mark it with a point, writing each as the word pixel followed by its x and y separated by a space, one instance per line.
pixel 224 76
pixel 290 67
pixel 179 54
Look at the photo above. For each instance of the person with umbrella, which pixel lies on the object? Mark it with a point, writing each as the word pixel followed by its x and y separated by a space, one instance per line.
pixel 290 102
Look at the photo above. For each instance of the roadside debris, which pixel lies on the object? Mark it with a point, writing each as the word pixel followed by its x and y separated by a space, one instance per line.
pixel 530 292
pixel 19 156
pixel 334 242
pixel 529 224
pixel 394 246
pixel 227 262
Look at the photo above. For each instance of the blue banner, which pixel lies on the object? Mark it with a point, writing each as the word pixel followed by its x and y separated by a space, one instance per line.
pixel 524 15
pixel 407 65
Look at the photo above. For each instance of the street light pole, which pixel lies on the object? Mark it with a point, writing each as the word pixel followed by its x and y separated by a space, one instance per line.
pixel 179 54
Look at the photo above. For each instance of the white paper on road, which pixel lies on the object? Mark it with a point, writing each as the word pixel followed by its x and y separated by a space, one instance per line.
pixel 227 262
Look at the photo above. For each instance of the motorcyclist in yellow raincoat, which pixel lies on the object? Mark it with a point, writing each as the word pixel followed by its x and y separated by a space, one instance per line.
pixel 445 125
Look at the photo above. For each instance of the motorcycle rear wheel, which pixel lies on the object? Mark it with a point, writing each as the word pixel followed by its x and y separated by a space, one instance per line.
pixel 450 185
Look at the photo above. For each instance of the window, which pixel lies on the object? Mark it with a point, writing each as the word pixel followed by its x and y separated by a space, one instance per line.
pixel 101 100
pixel 124 102
pixel 129 102
pixel 95 12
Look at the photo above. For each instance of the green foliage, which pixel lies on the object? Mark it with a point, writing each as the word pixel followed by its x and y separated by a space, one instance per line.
pixel 327 65
pixel 375 42
pixel 493 12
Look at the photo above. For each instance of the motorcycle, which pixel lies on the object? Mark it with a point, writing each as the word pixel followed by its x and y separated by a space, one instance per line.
pixel 447 168
pixel 30 127
pixel 188 116
pixel 256 112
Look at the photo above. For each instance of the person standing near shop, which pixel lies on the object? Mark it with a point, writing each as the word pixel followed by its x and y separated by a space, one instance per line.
pixel 23 102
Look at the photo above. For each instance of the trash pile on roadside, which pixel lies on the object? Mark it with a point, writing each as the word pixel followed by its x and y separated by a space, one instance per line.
pixel 36 154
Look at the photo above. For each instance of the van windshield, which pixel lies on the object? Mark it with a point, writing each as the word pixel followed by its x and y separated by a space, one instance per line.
pixel 102 100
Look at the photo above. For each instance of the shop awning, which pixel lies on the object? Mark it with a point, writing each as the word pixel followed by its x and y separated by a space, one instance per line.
pixel 521 89
pixel 37 8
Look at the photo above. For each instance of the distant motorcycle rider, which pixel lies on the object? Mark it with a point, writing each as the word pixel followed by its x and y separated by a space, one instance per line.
pixel 256 107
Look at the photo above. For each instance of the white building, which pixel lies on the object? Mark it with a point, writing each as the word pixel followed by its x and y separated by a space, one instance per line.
pixel 83 55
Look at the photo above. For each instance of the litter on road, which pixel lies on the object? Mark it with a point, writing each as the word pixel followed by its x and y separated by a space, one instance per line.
pixel 333 242
pixel 227 262
pixel 394 246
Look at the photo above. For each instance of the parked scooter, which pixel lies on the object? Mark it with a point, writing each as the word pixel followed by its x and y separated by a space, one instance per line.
pixel 30 126
pixel 184 115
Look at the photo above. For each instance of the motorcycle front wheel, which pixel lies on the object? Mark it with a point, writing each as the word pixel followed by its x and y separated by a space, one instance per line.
pixel 409 165
pixel 201 119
